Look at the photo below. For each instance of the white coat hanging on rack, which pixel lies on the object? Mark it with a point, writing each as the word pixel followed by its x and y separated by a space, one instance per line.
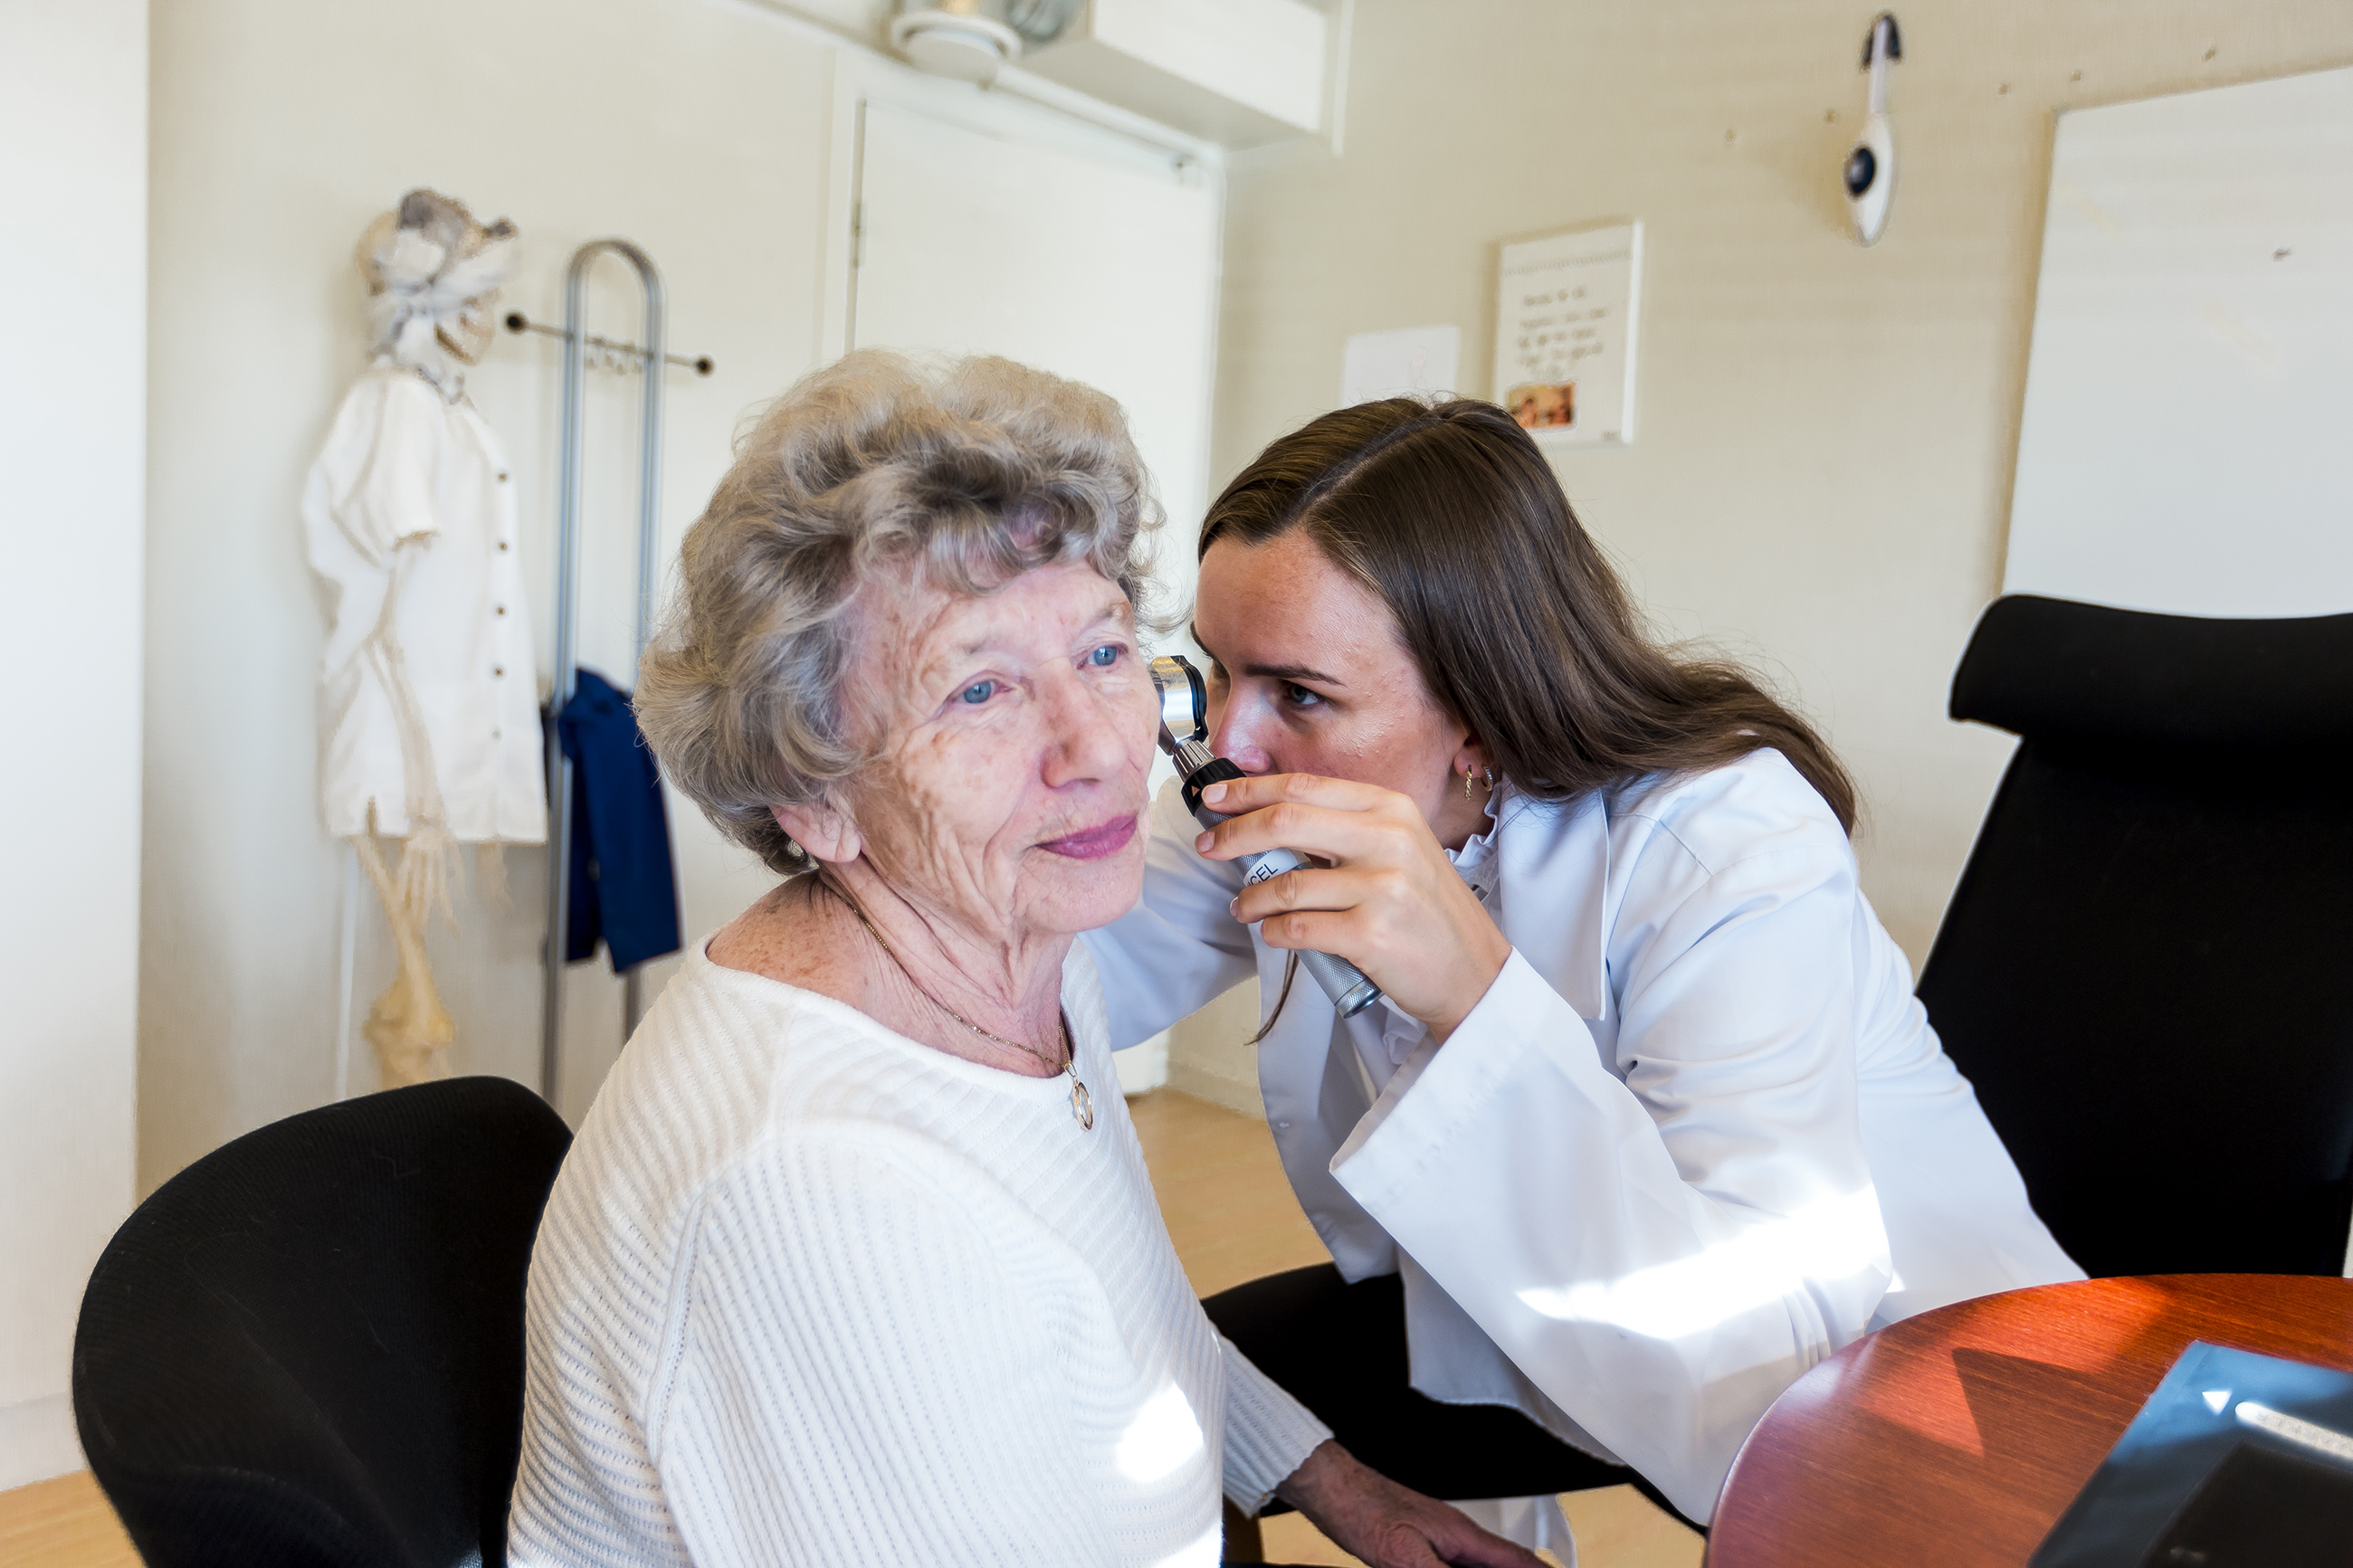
pixel 400 513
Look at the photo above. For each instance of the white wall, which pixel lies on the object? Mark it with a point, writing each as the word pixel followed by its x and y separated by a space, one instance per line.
pixel 1822 476
pixel 281 127
pixel 73 243
pixel 1210 1055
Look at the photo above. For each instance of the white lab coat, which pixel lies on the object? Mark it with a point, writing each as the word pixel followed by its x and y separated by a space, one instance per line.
pixel 411 494
pixel 1697 1136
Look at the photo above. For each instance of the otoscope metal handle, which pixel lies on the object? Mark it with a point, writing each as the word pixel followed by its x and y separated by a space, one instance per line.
pixel 1351 990
pixel 1348 986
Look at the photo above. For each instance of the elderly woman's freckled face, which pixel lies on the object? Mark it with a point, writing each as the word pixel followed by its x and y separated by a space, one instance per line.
pixel 1013 732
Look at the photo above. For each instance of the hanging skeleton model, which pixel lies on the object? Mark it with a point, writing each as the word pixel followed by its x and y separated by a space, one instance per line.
pixel 428 725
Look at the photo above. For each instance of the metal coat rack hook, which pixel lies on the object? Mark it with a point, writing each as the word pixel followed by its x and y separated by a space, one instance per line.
pixel 626 358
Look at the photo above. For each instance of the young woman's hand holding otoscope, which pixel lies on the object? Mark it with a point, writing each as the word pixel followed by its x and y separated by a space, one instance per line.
pixel 1184 710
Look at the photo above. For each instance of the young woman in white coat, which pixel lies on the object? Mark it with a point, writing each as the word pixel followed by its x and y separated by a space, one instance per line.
pixel 1648 1121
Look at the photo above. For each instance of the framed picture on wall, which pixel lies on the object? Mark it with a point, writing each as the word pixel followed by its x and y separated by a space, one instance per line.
pixel 1566 308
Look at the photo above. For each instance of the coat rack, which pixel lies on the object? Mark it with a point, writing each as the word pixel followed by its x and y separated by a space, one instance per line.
pixel 635 357
pixel 625 357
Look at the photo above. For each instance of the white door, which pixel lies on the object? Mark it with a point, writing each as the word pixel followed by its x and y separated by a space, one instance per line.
pixel 1101 267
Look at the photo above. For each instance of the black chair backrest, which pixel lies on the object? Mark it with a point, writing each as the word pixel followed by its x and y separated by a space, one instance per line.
pixel 306 1348
pixel 2146 969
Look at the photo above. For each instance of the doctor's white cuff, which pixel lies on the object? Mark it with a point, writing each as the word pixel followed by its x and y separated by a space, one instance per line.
pixel 1441 1089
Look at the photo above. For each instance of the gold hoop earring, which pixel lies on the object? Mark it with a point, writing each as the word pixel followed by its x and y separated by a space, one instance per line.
pixel 1466 784
pixel 1491 779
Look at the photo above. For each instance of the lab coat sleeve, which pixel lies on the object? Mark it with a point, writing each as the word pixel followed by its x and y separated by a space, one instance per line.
pixel 1180 947
pixel 387 496
pixel 1662 1256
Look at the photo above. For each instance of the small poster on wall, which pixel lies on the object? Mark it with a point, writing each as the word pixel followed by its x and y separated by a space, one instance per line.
pixel 1415 360
pixel 1565 314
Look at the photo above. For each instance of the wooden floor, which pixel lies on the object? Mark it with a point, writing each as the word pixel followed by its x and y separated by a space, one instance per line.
pixel 1231 1216
pixel 66 1523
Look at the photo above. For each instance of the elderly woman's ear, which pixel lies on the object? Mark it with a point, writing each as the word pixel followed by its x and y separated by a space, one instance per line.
pixel 821 830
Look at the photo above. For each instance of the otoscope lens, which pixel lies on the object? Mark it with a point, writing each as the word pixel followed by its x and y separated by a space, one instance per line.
pixel 1184 705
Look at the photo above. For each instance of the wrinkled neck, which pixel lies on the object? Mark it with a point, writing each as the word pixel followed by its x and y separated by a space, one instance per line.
pixel 1006 982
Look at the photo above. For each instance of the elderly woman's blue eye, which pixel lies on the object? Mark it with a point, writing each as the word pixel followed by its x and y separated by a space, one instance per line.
pixel 978 691
pixel 1105 656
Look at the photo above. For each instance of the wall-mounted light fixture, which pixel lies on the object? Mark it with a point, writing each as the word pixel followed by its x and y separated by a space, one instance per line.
pixel 1869 172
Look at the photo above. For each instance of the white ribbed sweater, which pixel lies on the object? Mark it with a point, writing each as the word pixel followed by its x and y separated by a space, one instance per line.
pixel 809 1292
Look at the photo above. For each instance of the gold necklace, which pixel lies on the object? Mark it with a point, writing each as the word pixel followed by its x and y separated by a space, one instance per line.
pixel 1082 1104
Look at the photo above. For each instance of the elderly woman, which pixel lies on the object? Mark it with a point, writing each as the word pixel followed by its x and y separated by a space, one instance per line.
pixel 855 1260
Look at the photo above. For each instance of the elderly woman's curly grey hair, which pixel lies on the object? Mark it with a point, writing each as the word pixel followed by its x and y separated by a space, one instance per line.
pixel 972 471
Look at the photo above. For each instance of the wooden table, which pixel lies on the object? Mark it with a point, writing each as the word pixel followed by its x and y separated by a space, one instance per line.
pixel 1960 1435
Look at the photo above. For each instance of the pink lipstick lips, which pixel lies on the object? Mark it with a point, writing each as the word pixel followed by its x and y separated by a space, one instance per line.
pixel 1095 843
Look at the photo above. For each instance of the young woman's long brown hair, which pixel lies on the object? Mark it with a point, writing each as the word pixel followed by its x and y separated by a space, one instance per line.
pixel 1450 513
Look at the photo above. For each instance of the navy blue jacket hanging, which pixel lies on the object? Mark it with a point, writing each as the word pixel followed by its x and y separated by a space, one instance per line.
pixel 623 890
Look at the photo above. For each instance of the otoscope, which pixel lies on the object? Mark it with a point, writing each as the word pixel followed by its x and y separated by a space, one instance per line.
pixel 1184 709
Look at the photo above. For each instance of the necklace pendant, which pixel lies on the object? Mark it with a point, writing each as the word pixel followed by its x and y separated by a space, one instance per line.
pixel 1082 1104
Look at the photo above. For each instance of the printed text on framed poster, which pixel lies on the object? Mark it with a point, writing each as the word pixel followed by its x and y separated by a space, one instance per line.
pixel 1565 315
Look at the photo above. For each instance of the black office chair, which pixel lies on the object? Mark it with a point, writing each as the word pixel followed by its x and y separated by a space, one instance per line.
pixel 306 1348
pixel 2146 969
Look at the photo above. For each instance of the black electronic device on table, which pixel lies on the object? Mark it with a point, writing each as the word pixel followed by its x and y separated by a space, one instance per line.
pixel 2238 1460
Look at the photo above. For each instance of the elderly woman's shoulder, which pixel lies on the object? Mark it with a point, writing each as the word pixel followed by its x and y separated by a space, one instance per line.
pixel 752 1123
pixel 727 1056
pixel 734 1080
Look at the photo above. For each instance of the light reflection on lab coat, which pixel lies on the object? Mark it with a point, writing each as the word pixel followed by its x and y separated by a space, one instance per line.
pixel 1696 1137
pixel 1839 1240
